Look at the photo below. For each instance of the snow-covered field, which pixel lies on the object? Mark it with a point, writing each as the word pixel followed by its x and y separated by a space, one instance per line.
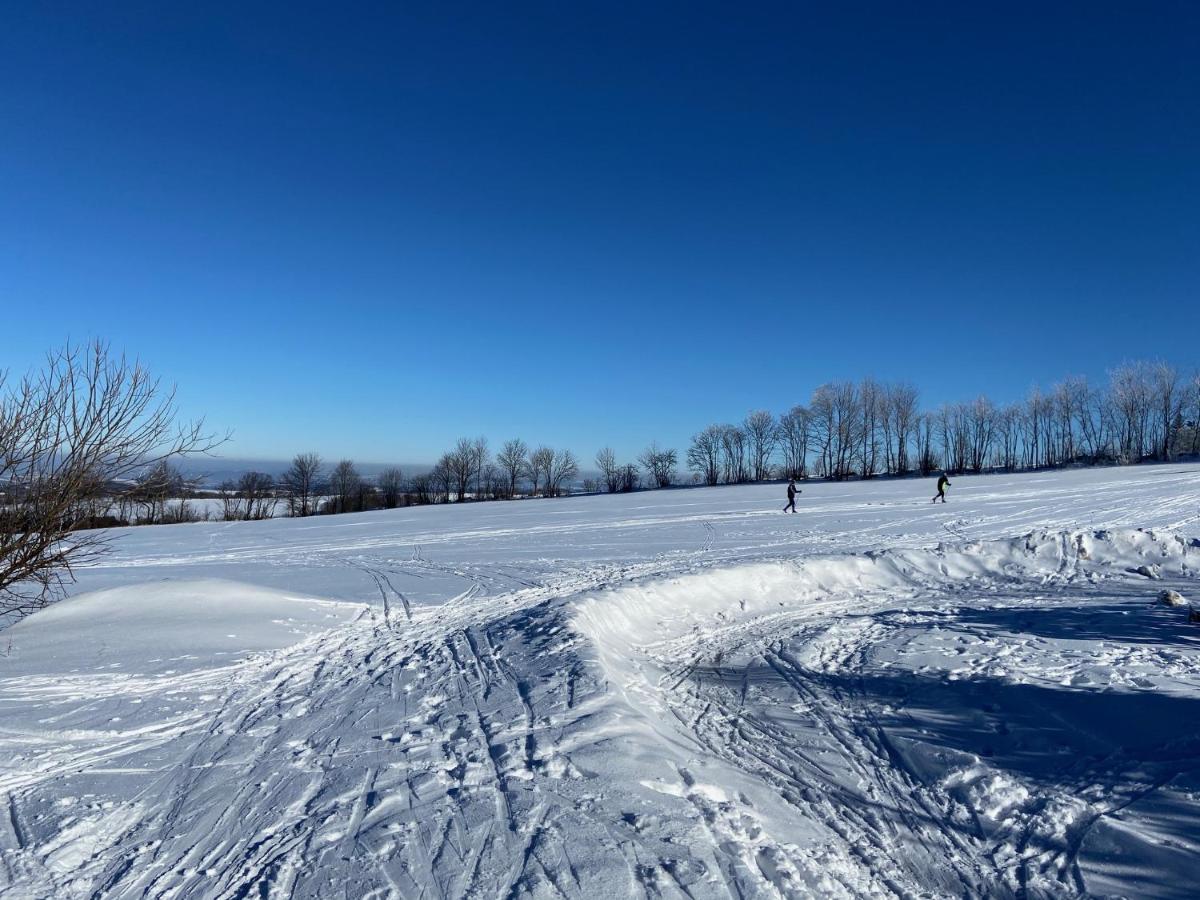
pixel 675 693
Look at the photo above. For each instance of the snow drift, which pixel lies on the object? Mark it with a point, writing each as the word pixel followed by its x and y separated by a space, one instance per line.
pixel 1002 717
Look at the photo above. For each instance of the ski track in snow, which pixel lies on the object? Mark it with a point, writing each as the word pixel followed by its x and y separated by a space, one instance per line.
pixel 680 694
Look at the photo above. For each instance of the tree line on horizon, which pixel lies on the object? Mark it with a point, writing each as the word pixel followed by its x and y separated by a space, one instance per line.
pixel 863 429
pixel 848 429
pixel 851 429
pixel 467 472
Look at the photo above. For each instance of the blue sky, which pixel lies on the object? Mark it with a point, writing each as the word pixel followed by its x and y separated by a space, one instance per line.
pixel 368 229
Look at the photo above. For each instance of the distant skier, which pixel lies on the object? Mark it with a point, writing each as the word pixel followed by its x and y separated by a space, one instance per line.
pixel 792 492
pixel 943 483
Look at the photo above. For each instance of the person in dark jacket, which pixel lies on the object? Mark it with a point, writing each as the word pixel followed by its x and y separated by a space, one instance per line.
pixel 943 483
pixel 792 492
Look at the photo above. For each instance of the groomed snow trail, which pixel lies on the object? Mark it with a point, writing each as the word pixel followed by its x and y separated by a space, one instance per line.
pixel 1001 717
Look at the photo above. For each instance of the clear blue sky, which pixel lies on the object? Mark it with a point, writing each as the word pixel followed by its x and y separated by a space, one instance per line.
pixel 368 230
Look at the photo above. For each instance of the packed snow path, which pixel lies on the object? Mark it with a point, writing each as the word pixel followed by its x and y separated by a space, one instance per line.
pixel 668 694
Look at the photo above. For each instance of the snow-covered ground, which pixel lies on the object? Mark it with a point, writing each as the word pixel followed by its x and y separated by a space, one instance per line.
pixel 675 693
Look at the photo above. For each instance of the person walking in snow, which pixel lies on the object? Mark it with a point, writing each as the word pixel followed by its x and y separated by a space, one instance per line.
pixel 792 492
pixel 943 483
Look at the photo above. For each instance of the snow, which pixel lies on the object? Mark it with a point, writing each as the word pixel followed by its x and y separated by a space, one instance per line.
pixel 166 628
pixel 677 693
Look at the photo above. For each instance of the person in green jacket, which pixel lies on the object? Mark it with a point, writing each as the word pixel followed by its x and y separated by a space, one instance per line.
pixel 943 483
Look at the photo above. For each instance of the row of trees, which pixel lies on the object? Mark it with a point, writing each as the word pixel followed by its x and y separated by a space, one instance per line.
pixel 468 471
pixel 847 429
pixel 1147 410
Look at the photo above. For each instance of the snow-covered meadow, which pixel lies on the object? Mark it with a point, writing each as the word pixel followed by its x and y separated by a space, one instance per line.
pixel 675 693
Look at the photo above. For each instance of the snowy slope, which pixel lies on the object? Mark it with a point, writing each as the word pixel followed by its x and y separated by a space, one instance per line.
pixel 678 693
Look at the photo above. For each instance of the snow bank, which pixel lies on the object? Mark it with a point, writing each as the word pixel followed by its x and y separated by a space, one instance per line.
pixel 661 610
pixel 979 685
pixel 164 628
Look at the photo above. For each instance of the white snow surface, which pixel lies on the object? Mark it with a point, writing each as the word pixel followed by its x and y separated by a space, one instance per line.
pixel 668 694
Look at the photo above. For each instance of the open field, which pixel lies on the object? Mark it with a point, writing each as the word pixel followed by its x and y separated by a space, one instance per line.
pixel 674 693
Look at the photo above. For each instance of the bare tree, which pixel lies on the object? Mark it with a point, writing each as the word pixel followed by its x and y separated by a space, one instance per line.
pixel 927 460
pixel 659 464
pixel 703 456
pixel 251 497
pixel 344 484
pixel 299 484
pixel 903 415
pixel 981 432
pixel 561 469
pixel 421 488
pixel 1009 433
pixel 1164 388
pixel 1132 409
pixel 1192 423
pixel 155 488
pixel 231 503
pixel 760 439
pixel 1065 398
pixel 391 487
pixel 86 424
pixel 365 496
pixel 461 463
pixel 493 485
pixel 824 428
pixel 835 412
pixel 870 414
pixel 442 479
pixel 952 421
pixel 606 462
pixel 479 461
pixel 794 433
pixel 1093 420
pixel 733 455
pixel 258 491
pixel 538 466
pixel 513 461
pixel 630 478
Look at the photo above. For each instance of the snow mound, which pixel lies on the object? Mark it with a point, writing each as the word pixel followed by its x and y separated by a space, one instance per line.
pixel 164 628
pixel 660 610
pixel 1003 698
